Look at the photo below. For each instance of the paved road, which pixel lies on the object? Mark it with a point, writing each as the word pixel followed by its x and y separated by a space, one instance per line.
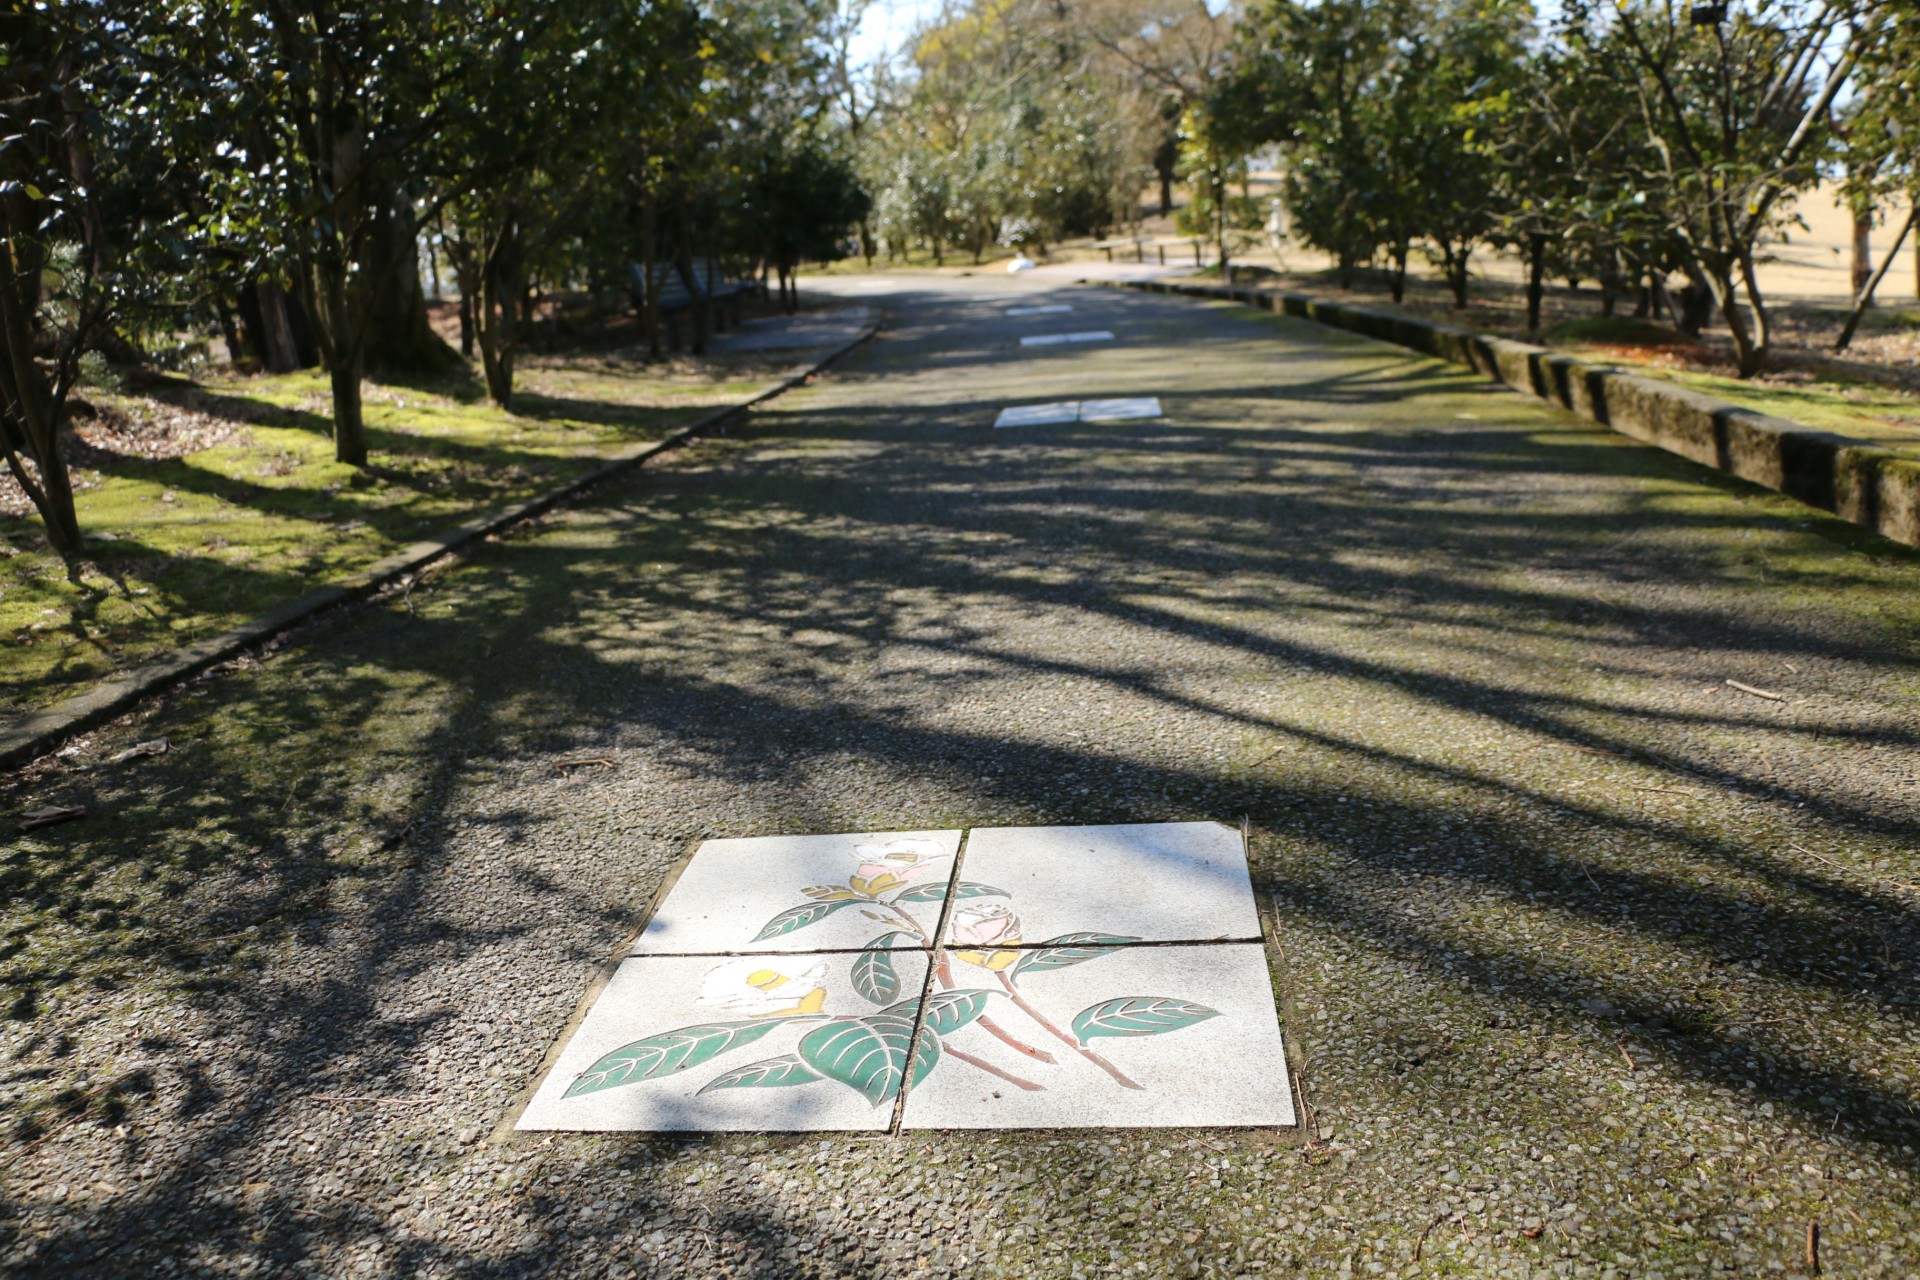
pixel 1591 963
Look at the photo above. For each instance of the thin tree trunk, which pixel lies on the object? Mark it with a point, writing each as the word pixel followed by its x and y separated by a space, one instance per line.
pixel 276 331
pixel 1863 251
pixel 650 271
pixel 349 421
pixel 1536 279
pixel 1865 297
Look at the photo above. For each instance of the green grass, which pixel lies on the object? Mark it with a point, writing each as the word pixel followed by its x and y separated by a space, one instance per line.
pixel 183 548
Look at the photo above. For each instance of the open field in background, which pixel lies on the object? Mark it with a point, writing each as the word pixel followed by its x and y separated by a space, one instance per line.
pixel 211 501
pixel 1871 393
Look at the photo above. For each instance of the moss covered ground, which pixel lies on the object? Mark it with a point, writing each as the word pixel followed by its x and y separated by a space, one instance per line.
pixel 183 547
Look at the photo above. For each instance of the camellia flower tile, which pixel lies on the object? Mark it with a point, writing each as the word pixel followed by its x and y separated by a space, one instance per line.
pixel 1152 882
pixel 850 891
pixel 1085 976
pixel 679 1043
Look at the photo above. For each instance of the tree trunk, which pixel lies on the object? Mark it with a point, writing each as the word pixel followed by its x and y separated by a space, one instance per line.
pixel 1761 355
pixel 341 334
pixel 30 413
pixel 650 271
pixel 1536 279
pixel 497 311
pixel 1696 303
pixel 1397 278
pixel 399 335
pixel 229 331
pixel 281 354
pixel 1864 299
pixel 683 255
pixel 866 240
pixel 349 421
pixel 1863 250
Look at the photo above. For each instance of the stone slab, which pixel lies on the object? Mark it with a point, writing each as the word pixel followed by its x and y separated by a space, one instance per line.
pixel 1036 415
pixel 1117 410
pixel 691 1021
pixel 805 893
pixel 1152 882
pixel 1051 308
pixel 1055 339
pixel 1194 1027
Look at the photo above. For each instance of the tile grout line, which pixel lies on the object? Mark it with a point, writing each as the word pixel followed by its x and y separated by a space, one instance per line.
pixel 926 986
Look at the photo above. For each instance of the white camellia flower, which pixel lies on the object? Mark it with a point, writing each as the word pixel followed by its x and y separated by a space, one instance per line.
pixel 767 986
pixel 890 865
pixel 990 927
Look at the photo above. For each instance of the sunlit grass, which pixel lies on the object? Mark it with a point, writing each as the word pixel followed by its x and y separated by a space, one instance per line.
pixel 185 547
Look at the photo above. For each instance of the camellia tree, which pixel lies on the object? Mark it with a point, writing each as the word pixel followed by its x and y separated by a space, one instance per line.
pixel 1733 103
pixel 81 238
pixel 312 127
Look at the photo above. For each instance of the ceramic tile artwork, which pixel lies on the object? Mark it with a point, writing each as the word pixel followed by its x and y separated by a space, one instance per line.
pixel 1137 1037
pixel 805 893
pixel 1055 339
pixel 1091 976
pixel 1147 882
pixel 1035 415
pixel 780 1042
pixel 1050 308
pixel 1116 410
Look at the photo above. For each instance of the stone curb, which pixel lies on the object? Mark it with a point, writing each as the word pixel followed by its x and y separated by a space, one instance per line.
pixel 39 733
pixel 1871 486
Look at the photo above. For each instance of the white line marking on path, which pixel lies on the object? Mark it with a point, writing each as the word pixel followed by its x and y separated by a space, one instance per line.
pixel 1049 309
pixel 1036 415
pixel 1049 339
pixel 1114 410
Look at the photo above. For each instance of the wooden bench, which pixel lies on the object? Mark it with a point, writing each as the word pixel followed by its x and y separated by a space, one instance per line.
pixel 676 291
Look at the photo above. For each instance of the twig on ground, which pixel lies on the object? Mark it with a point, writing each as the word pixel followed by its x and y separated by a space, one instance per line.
pixel 1758 693
pixel 582 762
pixel 379 1101
pixel 1813 1247
pixel 1871 875
pixel 1421 1243
pixel 1631 1064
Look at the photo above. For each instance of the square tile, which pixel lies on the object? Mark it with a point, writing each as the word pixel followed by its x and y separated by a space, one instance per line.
pixel 1152 882
pixel 718 1043
pixel 1049 309
pixel 805 893
pixel 1055 339
pixel 1139 1036
pixel 1034 415
pixel 1116 410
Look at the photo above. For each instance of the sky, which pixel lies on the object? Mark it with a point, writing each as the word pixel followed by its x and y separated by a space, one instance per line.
pixel 886 24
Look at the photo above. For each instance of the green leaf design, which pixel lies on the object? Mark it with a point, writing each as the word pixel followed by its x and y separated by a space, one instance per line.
pixel 938 892
pixel 1138 1016
pixel 1069 949
pixel 801 916
pixel 948 1011
pixel 768 1073
pixel 874 975
pixel 868 1054
pixel 668 1052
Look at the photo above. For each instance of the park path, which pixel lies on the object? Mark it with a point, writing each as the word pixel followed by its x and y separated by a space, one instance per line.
pixel 1590 962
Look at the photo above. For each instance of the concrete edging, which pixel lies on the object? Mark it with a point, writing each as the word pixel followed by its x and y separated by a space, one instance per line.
pixel 1871 486
pixel 39 733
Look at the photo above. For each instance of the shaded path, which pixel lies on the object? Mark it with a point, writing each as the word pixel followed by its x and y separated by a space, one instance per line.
pixel 1590 959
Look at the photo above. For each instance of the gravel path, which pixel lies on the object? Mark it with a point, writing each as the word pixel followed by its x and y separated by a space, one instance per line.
pixel 1591 964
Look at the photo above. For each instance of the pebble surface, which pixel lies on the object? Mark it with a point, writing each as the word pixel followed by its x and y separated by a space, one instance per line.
pixel 1590 964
